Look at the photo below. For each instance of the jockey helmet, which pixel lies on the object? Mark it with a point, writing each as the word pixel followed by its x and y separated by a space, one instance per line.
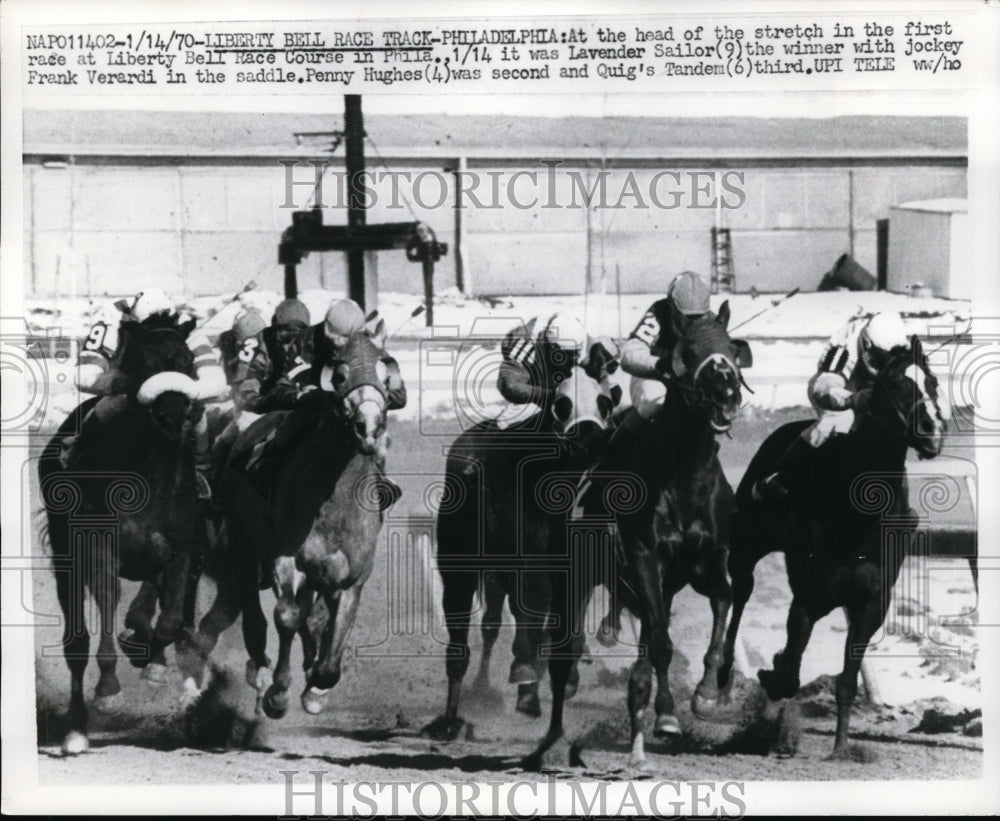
pixel 689 293
pixel 248 324
pixel 290 313
pixel 565 332
pixel 882 333
pixel 343 318
pixel 150 302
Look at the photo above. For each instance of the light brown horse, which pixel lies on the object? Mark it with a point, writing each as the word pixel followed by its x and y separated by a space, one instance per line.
pixel 308 527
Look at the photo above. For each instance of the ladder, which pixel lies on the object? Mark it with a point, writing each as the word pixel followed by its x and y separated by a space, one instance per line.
pixel 723 276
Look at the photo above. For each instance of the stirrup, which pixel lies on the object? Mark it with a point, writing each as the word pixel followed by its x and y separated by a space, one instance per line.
pixel 203 485
pixel 769 488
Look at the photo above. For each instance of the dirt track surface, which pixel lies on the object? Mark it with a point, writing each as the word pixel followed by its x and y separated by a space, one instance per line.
pixel 394 683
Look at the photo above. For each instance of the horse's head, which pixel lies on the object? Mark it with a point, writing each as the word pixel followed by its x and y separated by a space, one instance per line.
pixel 705 366
pixel 581 407
pixel 357 375
pixel 904 400
pixel 160 372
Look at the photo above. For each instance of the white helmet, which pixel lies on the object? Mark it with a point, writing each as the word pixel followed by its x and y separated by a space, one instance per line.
pixel 566 332
pixel 149 302
pixel 882 333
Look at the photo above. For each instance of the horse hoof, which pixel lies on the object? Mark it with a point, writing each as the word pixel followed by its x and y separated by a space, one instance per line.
pixel 444 728
pixel 75 743
pixel 638 765
pixel 523 674
pixel 704 706
pixel 554 752
pixel 314 700
pixel 667 727
pixel 769 681
pixel 190 695
pixel 607 635
pixel 155 674
pixel 529 704
pixel 263 679
pixel 275 703
pixel 135 650
pixel 109 705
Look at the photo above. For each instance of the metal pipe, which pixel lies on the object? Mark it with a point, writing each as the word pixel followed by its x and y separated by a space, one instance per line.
pixel 354 145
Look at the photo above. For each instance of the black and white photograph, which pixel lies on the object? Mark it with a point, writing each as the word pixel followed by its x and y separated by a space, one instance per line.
pixel 499 410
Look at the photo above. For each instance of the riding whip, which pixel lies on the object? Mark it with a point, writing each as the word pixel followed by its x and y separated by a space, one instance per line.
pixel 773 305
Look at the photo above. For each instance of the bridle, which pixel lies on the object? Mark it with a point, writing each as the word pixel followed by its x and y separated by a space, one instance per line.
pixel 899 424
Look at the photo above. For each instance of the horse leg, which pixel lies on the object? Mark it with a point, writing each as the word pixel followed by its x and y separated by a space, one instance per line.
pixel 309 648
pixel 862 624
pixel 741 567
pixel 288 580
pixel 566 642
pixel 188 659
pixel 459 588
pixel 137 635
pixel 76 649
pixel 655 652
pixel 713 582
pixel 530 602
pixel 258 669
pixel 783 680
pixel 221 615
pixel 493 596
pixel 324 674
pixel 104 587
pixel 640 688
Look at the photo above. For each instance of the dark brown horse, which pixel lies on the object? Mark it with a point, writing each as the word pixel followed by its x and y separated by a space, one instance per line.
pixel 833 526
pixel 128 509
pixel 503 490
pixel 308 526
pixel 673 526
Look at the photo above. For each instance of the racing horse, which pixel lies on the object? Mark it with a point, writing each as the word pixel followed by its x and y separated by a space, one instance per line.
pixel 309 525
pixel 494 525
pixel 129 509
pixel 672 521
pixel 831 526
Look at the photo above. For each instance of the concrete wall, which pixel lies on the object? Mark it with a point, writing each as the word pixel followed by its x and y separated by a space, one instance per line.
pixel 106 228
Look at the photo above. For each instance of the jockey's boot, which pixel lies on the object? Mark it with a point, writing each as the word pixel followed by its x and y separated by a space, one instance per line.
pixel 774 486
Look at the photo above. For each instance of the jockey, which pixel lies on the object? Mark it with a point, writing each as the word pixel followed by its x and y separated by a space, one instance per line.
pixel 270 361
pixel 850 362
pixel 300 362
pixel 100 373
pixel 654 338
pixel 540 353
pixel 247 324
